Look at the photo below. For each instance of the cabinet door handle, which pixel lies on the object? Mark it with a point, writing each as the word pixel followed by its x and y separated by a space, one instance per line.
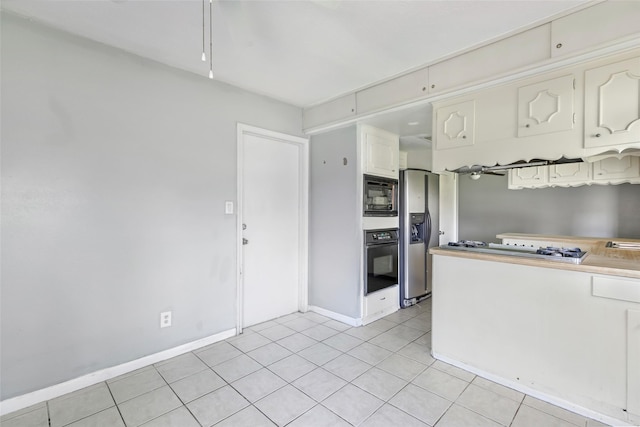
pixel 383 298
pixel 464 136
pixel 527 125
pixel 597 135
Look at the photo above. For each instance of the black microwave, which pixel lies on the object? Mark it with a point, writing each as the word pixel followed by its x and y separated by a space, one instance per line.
pixel 380 196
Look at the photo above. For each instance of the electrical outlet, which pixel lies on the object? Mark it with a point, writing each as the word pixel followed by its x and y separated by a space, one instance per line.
pixel 165 319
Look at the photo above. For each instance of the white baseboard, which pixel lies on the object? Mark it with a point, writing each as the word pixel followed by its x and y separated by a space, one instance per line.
pixel 19 402
pixel 534 393
pixel 336 316
pixel 378 316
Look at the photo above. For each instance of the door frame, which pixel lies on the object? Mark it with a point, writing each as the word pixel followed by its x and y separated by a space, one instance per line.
pixel 303 214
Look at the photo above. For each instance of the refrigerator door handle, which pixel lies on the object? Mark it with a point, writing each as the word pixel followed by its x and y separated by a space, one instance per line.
pixel 427 236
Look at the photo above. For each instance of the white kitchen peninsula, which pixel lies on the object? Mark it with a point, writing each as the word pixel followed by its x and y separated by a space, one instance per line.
pixel 566 333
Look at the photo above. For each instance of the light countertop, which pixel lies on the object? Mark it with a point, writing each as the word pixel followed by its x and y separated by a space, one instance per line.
pixel 600 259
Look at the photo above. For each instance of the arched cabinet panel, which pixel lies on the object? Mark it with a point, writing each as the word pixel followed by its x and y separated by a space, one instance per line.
pixel 546 106
pixel 612 105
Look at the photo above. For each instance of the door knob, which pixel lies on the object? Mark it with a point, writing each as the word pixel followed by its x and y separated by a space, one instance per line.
pixel 245 241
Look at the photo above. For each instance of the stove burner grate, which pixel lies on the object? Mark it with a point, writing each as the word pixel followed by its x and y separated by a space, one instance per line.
pixel 561 252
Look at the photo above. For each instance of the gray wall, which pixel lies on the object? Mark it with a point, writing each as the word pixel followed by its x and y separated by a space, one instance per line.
pixel 487 208
pixel 115 170
pixel 334 230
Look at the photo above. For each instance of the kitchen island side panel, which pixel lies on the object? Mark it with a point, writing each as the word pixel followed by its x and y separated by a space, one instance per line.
pixel 334 228
pixel 536 328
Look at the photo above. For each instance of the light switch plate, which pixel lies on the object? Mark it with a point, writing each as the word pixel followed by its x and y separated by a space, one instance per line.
pixel 228 207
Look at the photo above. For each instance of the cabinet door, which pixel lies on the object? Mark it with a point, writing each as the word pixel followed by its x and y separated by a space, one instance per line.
pixel 381 154
pixel 393 92
pixel 569 173
pixel 546 106
pixel 612 104
pixel 455 125
pixel 488 61
pixel 633 361
pixel 614 168
pixel 331 111
pixel 531 177
pixel 595 26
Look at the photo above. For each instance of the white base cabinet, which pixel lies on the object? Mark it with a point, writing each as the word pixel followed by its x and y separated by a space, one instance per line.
pixel 566 335
pixel 381 303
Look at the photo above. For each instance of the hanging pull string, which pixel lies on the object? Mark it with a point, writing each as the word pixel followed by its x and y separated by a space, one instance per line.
pixel 204 57
pixel 210 39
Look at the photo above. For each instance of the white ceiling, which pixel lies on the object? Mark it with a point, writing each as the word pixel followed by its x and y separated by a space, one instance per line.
pixel 302 52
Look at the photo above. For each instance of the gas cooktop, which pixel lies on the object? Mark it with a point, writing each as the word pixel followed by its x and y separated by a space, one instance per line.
pixel 568 255
pixel 561 252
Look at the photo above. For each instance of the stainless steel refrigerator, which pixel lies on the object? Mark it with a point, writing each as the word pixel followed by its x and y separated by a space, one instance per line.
pixel 419 230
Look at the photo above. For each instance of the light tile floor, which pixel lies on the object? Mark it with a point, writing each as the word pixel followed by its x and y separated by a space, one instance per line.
pixel 304 370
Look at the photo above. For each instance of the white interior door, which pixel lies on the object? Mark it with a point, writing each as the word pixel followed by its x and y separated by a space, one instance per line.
pixel 272 224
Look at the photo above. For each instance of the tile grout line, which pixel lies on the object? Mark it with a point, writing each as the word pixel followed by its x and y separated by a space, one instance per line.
pixel 290 383
pixel 516 414
pixel 184 404
pixel 315 365
pixel 116 403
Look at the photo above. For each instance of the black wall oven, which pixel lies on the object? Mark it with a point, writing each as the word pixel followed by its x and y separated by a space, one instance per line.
pixel 380 196
pixel 381 259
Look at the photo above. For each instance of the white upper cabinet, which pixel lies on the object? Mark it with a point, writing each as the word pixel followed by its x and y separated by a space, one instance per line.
pixel 597 26
pixel 617 169
pixel 338 109
pixel 455 125
pixel 530 119
pixel 495 59
pixel 612 105
pixel 598 30
pixel 569 173
pixel 546 106
pixel 380 152
pixel 531 177
pixel 587 111
pixel 611 170
pixel 405 88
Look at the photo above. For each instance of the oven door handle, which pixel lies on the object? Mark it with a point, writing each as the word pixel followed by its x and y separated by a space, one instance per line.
pixel 377 245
